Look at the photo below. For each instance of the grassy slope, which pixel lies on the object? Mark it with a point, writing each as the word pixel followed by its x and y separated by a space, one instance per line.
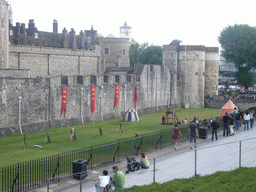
pixel 87 135
pixel 242 179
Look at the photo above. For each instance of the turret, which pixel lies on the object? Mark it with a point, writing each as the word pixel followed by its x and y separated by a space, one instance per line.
pixel 4 34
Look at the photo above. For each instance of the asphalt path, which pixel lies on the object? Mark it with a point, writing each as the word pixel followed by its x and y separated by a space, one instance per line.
pixel 211 156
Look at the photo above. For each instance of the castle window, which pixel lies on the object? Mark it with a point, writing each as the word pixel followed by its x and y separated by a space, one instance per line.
pixel 178 76
pixel 171 55
pixel 11 32
pixel 93 79
pixel 107 51
pixel 80 79
pixel 196 73
pixel 117 78
pixel 105 78
pixel 123 51
pixel 89 39
pixel 197 56
pixel 151 68
pixel 64 80
pixel 129 78
pixel 171 77
pixel 36 35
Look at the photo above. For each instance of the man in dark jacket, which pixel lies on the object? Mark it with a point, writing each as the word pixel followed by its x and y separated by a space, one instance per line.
pixel 214 126
pixel 225 124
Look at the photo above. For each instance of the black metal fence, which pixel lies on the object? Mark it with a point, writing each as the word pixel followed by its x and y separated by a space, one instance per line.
pixel 34 174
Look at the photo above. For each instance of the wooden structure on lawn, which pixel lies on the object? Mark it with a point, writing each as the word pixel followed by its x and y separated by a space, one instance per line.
pixel 171 117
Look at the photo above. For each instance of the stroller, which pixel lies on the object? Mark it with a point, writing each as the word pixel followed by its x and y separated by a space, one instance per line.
pixel 132 164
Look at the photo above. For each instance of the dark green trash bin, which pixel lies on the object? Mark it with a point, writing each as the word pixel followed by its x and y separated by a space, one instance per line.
pixel 78 167
pixel 203 132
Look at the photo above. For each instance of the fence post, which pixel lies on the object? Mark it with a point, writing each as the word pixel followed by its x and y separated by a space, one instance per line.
pixel 118 149
pixel 161 139
pixel 195 162
pixel 81 182
pixel 154 171
pixel 47 181
pixel 240 158
pixel 91 158
pixel 141 144
pixel 59 167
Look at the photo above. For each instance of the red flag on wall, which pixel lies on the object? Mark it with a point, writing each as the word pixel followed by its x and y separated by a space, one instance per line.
pixel 136 96
pixel 116 96
pixel 92 98
pixel 64 101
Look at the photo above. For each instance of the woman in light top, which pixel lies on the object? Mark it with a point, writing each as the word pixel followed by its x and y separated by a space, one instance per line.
pixel 144 161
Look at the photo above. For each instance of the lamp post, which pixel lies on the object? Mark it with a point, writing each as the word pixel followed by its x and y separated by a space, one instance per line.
pixel 125 97
pixel 20 115
pixel 101 110
pixel 156 94
pixel 81 112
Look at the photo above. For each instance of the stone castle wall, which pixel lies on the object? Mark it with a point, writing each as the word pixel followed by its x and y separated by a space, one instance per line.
pixel 44 61
pixel 211 73
pixel 41 99
pixel 4 35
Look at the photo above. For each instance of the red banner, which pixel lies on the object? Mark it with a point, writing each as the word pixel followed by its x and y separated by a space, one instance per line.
pixel 136 96
pixel 64 101
pixel 92 98
pixel 116 96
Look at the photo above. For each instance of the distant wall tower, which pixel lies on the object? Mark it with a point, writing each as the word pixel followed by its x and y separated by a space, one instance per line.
pixel 125 31
pixel 4 35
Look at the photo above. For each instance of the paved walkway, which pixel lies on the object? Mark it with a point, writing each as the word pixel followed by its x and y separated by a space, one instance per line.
pixel 222 155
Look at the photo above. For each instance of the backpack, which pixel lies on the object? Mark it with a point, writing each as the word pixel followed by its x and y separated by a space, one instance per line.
pixel 237 116
pixel 251 115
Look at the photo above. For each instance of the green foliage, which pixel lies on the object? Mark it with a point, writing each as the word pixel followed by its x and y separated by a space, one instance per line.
pixel 245 77
pixel 87 135
pixel 145 53
pixel 239 44
pixel 241 179
pixel 152 55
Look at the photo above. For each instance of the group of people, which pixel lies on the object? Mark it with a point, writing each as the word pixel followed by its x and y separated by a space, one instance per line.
pixel 235 120
pixel 118 179
pixel 192 132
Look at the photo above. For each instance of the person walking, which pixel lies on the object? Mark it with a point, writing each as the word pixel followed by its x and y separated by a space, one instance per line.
pixel 246 120
pixel 237 120
pixel 192 132
pixel 176 136
pixel 225 124
pixel 214 126
pixel 252 116
pixel 231 124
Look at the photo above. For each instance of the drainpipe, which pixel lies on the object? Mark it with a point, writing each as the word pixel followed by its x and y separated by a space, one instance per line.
pixel 20 115
pixel 81 112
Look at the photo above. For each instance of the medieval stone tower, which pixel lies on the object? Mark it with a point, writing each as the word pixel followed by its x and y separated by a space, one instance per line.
pixel 4 35
pixel 197 68
pixel 125 31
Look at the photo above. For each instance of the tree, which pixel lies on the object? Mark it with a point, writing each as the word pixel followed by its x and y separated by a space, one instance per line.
pixel 144 53
pixel 245 77
pixel 152 55
pixel 239 46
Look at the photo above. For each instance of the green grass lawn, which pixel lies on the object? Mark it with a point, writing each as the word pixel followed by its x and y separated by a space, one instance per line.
pixel 87 135
pixel 242 179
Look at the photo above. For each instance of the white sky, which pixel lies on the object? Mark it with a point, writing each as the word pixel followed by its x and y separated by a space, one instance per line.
pixel 194 22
